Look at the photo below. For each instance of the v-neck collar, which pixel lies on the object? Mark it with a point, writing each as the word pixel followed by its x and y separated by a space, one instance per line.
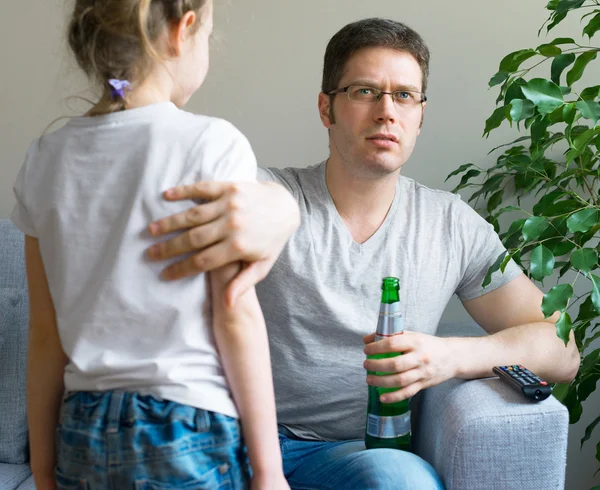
pixel 375 239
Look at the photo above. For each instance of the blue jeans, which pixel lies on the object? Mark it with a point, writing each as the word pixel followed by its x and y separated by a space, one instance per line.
pixel 347 465
pixel 123 441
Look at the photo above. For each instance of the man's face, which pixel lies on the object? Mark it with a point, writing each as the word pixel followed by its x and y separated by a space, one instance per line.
pixel 373 140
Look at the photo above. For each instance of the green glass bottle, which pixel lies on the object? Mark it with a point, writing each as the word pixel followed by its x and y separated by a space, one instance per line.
pixel 388 424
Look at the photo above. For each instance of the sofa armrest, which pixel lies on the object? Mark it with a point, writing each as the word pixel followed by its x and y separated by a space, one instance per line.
pixel 481 434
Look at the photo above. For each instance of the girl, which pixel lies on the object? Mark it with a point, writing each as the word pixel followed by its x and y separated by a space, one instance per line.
pixel 122 362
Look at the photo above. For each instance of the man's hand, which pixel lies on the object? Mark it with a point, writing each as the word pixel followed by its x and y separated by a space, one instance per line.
pixel 426 361
pixel 244 221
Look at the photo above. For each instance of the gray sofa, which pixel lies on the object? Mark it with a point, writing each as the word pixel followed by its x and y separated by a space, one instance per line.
pixel 479 435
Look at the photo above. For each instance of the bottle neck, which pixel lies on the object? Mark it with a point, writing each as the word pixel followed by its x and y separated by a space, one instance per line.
pixel 390 295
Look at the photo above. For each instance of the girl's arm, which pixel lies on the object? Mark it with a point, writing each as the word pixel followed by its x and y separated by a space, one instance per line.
pixel 45 370
pixel 241 338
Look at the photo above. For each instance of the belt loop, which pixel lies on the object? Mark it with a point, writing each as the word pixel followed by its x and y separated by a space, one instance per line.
pixel 114 411
pixel 202 422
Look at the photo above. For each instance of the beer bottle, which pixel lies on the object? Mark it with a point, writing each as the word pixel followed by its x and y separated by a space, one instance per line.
pixel 388 424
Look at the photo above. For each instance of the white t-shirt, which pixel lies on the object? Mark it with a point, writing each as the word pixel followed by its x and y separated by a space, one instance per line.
pixel 324 291
pixel 88 192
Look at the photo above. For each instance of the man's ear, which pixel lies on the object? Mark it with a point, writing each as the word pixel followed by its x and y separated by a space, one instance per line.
pixel 180 32
pixel 422 115
pixel 326 110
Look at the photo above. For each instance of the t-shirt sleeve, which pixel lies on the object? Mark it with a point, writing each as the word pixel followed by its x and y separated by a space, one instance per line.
pixel 20 215
pixel 285 177
pixel 224 154
pixel 477 248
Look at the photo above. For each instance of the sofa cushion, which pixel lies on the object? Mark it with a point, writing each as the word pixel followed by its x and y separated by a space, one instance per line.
pixel 27 484
pixel 13 475
pixel 14 307
pixel 12 260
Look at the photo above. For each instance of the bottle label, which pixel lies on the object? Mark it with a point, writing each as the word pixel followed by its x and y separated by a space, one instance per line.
pixel 388 427
pixel 390 321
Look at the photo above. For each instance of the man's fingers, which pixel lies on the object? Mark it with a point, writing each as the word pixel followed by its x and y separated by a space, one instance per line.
pixel 192 240
pixel 245 279
pixel 403 393
pixel 395 380
pixel 184 268
pixel 196 216
pixel 198 190
pixel 397 364
pixel 367 339
pixel 396 343
pixel 213 257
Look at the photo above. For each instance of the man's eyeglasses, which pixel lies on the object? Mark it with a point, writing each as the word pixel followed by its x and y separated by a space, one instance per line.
pixel 371 95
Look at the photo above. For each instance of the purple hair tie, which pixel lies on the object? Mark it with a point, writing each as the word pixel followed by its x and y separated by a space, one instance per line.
pixel 117 87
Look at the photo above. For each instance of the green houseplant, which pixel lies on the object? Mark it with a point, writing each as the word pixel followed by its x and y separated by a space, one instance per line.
pixel 542 194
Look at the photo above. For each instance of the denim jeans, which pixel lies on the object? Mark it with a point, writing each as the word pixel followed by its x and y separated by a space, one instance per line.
pixel 122 441
pixel 347 465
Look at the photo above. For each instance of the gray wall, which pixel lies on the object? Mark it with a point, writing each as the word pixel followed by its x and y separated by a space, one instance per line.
pixel 265 78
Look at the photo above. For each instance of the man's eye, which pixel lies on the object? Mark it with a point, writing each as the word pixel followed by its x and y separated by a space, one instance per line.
pixel 365 91
pixel 403 95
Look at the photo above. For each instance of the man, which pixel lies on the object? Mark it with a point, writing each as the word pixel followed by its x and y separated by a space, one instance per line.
pixel 362 221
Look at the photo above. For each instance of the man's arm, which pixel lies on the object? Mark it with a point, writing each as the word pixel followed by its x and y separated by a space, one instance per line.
pixel 519 334
pixel 243 221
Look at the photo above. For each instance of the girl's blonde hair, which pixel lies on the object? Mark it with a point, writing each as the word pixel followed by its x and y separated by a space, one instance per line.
pixel 115 39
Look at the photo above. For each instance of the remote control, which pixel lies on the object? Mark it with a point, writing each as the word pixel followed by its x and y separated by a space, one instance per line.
pixel 524 381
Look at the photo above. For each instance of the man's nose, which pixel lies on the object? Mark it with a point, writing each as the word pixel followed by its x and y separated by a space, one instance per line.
pixel 385 109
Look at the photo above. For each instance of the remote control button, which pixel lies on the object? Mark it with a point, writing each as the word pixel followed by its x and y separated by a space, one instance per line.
pixel 543 383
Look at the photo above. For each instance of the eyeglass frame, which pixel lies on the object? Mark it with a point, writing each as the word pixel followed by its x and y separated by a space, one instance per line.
pixel 381 93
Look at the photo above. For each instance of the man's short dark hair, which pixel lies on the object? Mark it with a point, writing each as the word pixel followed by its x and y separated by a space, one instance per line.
pixel 370 33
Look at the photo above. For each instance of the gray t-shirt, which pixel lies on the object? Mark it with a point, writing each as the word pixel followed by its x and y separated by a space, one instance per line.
pixel 323 293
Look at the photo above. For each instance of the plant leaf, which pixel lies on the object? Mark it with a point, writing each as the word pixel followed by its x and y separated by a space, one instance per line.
pixel 513 90
pixel 590 428
pixel 583 220
pixel 589 110
pixel 591 339
pixel 584 259
pixel 595 291
pixel 549 50
pixel 542 263
pixel 460 170
pixel 587 386
pixel 499 78
pixel 565 5
pixel 465 179
pixel 546 201
pixel 587 310
pixel 494 120
pixel 495 200
pixel 560 391
pixel 493 268
pixel 559 64
pixel 518 140
pixel 556 299
pixel 546 95
pixel 563 40
pixel 557 19
pixel 507 209
pixel 590 93
pixel 511 62
pixel 563 248
pixel 581 62
pixel 521 109
pixel 534 227
pixel 593 26
pixel 564 325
